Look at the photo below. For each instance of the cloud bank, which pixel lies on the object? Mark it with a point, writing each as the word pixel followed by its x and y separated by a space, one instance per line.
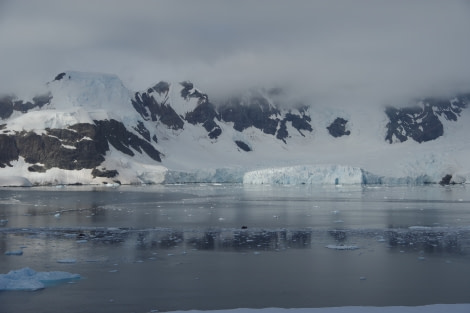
pixel 339 52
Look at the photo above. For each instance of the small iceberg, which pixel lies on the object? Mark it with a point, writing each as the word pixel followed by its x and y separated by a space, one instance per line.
pixel 28 279
pixel 14 252
pixel 341 247
pixel 67 261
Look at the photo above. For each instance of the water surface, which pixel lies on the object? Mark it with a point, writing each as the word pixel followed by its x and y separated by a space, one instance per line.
pixel 227 246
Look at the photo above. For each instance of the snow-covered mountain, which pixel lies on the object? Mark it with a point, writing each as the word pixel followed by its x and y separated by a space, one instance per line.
pixel 88 128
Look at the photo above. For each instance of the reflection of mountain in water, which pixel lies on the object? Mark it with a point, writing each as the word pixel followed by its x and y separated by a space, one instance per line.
pixel 238 240
pixel 422 239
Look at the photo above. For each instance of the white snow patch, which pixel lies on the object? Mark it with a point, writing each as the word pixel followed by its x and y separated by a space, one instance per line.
pixel 14 181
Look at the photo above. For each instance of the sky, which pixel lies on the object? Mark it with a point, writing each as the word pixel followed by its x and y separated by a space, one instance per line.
pixel 332 51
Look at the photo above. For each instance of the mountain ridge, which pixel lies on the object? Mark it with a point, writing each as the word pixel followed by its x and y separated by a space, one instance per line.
pixel 88 128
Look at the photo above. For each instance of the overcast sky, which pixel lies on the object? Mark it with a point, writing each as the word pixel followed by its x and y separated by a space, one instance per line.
pixel 331 50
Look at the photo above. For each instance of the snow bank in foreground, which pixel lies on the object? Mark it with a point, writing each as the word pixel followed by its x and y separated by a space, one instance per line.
pixel 28 279
pixel 14 181
pixel 436 308
pixel 306 174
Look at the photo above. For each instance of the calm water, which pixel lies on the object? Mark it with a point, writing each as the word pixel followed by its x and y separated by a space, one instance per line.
pixel 167 248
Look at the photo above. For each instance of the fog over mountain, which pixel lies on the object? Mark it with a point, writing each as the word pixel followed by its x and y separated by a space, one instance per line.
pixel 89 128
pixel 234 91
pixel 330 52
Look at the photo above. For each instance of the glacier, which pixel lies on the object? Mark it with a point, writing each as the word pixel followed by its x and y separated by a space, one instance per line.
pixel 308 175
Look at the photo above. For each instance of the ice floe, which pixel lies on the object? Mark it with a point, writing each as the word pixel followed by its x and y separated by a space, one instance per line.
pixel 435 308
pixel 28 279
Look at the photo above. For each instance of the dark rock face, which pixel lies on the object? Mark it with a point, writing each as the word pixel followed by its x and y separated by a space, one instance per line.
pixel 423 123
pixel 59 76
pixel 446 180
pixel 242 145
pixel 38 102
pixel 162 88
pixel 77 147
pixel 258 113
pixel 6 107
pixel 8 104
pixel 189 91
pixel 419 124
pixel 60 148
pixel 104 173
pixel 9 151
pixel 338 128
pixel 147 107
pixel 206 115
pixel 37 168
pixel 120 138
pixel 142 130
pixel 300 122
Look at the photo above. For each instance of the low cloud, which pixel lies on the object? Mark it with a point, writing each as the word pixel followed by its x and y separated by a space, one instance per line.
pixel 331 52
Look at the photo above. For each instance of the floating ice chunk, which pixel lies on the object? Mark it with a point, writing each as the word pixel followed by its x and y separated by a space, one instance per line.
pixel 419 228
pixel 28 279
pixel 14 252
pixel 69 261
pixel 342 247
pixel 57 215
pixel 3 222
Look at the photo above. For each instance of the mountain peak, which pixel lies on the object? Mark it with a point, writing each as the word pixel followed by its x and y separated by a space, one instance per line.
pixel 91 91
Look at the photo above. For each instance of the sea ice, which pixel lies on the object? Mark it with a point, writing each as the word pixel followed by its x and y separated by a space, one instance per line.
pixel 69 261
pixel 28 279
pixel 341 247
pixel 14 252
pixel 435 308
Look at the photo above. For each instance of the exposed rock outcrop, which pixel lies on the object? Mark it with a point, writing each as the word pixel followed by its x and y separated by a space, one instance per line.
pixel 423 123
pixel 338 128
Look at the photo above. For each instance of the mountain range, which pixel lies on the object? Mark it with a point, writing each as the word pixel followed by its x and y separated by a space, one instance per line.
pixel 89 128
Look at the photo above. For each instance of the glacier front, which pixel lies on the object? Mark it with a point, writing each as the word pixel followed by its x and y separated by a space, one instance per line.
pixel 306 174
